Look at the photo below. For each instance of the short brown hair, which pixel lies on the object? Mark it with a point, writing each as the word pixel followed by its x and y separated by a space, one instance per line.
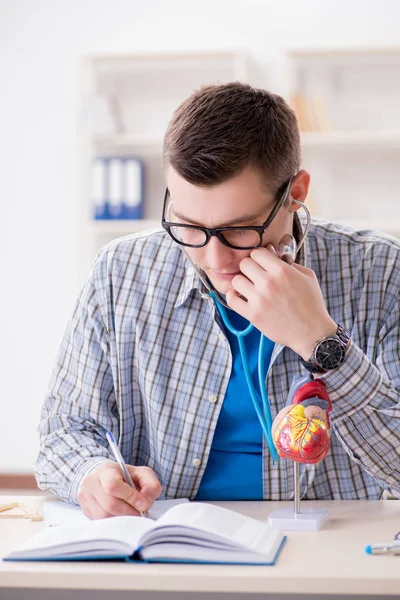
pixel 222 129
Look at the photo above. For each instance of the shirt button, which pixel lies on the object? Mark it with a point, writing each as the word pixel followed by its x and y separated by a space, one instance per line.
pixel 196 462
pixel 221 337
pixel 212 398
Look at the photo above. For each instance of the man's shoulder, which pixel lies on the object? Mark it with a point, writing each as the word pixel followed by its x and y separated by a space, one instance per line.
pixel 147 259
pixel 144 250
pixel 360 241
pixel 364 258
pixel 147 264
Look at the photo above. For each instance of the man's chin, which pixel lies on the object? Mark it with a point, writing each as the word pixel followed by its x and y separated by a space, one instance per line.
pixel 222 287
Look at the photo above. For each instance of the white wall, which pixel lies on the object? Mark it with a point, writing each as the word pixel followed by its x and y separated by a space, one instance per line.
pixel 40 42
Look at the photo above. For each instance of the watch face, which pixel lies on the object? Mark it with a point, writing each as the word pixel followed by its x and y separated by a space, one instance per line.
pixel 330 354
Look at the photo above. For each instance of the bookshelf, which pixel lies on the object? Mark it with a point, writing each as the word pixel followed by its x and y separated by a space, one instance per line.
pixel 127 101
pixel 346 102
pixel 350 139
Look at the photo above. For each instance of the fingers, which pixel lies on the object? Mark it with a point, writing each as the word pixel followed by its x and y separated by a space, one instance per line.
pixel 243 286
pixel 103 492
pixel 261 262
pixel 147 482
pixel 114 507
pixel 111 499
pixel 263 270
pixel 237 303
pixel 113 485
pixel 267 259
pixel 251 269
pixel 104 507
pixel 257 277
pixel 146 491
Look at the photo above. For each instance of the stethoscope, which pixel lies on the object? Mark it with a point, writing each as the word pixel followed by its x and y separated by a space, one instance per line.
pixel 287 251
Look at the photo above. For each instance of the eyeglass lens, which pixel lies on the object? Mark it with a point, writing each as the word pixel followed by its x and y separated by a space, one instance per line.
pixel 240 238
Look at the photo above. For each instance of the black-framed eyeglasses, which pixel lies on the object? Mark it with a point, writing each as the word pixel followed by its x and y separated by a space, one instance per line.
pixel 238 238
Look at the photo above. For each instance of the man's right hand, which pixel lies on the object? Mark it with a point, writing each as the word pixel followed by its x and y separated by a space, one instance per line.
pixel 103 492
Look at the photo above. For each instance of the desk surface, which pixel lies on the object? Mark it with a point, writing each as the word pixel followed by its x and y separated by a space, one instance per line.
pixel 314 562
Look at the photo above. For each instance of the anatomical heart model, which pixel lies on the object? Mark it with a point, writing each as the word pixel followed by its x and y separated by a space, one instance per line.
pixel 301 430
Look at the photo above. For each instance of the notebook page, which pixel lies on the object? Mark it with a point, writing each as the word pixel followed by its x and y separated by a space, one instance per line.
pixel 190 553
pixel 56 512
pixel 238 529
pixel 127 530
pixel 161 506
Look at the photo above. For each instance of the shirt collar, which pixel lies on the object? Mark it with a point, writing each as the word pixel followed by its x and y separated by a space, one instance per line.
pixel 190 283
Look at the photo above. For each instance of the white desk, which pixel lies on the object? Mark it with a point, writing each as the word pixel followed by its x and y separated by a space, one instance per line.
pixel 324 563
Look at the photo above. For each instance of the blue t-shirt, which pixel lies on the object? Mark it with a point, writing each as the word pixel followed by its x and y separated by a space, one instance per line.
pixel 234 467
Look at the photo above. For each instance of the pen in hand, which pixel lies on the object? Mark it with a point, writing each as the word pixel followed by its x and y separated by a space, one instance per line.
pixel 122 465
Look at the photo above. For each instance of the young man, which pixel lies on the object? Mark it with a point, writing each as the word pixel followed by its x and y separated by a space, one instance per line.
pixel 147 356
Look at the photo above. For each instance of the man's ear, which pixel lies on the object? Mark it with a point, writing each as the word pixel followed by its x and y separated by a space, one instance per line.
pixel 299 189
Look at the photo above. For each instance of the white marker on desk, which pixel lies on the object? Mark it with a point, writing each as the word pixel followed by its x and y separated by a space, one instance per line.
pixel 122 465
pixel 389 548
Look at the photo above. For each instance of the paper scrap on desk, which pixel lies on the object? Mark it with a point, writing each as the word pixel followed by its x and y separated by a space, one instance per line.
pixel 62 513
pixel 56 512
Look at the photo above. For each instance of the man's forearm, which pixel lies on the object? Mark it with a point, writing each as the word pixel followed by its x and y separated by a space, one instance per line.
pixel 366 417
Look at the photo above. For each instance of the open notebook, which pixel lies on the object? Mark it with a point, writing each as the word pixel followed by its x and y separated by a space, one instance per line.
pixel 56 512
pixel 188 532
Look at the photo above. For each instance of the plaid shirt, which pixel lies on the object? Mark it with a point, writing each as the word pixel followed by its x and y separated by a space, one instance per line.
pixel 146 357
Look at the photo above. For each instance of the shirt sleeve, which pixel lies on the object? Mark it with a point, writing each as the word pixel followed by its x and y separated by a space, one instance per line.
pixel 80 404
pixel 365 397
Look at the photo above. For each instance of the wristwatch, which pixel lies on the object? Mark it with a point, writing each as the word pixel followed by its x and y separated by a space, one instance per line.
pixel 329 353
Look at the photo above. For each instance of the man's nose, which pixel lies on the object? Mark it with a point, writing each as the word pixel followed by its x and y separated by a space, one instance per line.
pixel 217 254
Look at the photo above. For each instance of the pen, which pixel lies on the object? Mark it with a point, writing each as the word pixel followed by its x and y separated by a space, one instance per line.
pixel 122 465
pixel 389 548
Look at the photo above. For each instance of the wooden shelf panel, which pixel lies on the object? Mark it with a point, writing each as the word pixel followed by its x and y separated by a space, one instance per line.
pixel 122 226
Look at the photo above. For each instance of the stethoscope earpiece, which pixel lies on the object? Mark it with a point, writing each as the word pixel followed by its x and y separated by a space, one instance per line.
pixel 287 249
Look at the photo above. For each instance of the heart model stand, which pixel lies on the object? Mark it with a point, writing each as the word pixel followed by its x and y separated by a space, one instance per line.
pixel 301 433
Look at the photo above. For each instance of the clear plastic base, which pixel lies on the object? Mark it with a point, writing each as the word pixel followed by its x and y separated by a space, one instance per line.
pixel 287 520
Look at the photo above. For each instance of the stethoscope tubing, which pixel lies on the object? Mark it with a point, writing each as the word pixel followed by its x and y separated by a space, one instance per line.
pixel 266 418
pixel 263 410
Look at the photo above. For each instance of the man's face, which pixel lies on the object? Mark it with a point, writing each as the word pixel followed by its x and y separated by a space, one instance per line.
pixel 240 201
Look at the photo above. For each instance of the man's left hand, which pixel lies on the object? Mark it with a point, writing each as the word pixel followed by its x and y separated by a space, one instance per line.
pixel 283 301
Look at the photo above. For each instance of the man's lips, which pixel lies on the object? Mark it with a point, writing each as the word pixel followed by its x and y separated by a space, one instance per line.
pixel 225 276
